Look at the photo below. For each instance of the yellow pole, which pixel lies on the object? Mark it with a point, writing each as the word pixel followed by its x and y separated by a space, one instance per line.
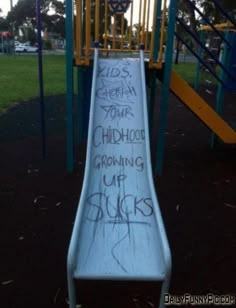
pixel 162 32
pixel 97 7
pixel 146 38
pixel 139 22
pixel 153 30
pixel 114 32
pixel 144 22
pixel 78 29
pixel 106 13
pixel 122 31
pixel 131 26
pixel 88 29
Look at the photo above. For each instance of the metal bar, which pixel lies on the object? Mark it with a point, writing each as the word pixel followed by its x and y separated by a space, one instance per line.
pixel 153 31
pixel 199 58
pixel 114 32
pixel 204 47
pixel 122 31
pixel 152 100
pixel 148 13
pixel 208 22
pixel 88 29
pixel 166 88
pixel 139 22
pixel 224 12
pixel 131 25
pixel 78 29
pixel 220 90
pixel 69 85
pixel 157 30
pixel 160 58
pixel 197 75
pixel 97 7
pixel 40 77
pixel 143 22
pixel 106 15
pixel 80 100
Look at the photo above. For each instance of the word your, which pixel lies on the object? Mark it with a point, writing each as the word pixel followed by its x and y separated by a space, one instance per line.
pixel 118 111
pixel 105 161
pixel 116 91
pixel 122 209
pixel 102 135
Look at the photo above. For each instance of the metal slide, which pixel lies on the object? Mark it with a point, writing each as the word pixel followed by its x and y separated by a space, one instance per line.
pixel 118 232
pixel 201 109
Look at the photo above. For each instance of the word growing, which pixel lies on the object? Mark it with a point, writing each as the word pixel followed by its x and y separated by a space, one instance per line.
pixel 117 208
pixel 106 161
pixel 102 135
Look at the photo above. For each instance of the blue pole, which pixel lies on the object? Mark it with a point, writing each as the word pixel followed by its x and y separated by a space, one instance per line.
pixel 80 103
pixel 221 90
pixel 200 53
pixel 69 86
pixel 166 87
pixel 40 77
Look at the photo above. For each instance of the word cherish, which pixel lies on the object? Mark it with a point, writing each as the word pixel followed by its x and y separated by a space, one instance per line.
pixel 103 135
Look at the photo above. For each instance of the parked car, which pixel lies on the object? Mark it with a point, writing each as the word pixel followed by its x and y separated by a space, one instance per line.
pixel 31 49
pixel 25 48
pixel 20 48
pixel 17 43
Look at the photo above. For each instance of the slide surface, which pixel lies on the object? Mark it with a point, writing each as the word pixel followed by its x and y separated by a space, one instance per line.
pixel 199 107
pixel 118 231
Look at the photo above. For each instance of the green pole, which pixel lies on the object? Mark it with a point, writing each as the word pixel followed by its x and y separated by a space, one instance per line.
pixel 220 91
pixel 69 86
pixel 80 101
pixel 165 88
pixel 152 101
pixel 198 65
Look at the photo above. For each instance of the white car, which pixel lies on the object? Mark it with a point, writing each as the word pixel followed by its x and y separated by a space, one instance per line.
pixel 31 49
pixel 25 48
pixel 20 48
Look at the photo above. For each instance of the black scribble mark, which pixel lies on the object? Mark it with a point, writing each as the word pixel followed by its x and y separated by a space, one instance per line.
pixel 113 252
pixel 135 222
pixel 116 92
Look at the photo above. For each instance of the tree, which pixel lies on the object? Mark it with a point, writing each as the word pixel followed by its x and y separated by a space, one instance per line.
pixel 23 14
pixel 213 13
pixel 4 24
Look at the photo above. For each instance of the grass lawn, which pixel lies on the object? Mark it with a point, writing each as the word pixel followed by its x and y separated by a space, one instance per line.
pixel 186 70
pixel 19 77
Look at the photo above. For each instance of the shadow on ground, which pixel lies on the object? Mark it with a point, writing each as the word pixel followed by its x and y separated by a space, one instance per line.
pixel 38 202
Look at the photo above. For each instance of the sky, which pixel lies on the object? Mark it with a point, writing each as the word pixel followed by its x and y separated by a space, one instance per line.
pixel 5 6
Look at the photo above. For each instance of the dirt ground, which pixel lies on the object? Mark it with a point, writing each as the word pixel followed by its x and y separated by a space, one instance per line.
pixel 38 202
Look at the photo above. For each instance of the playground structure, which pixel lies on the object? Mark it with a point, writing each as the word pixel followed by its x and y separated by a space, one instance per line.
pixel 111 230
pixel 114 37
